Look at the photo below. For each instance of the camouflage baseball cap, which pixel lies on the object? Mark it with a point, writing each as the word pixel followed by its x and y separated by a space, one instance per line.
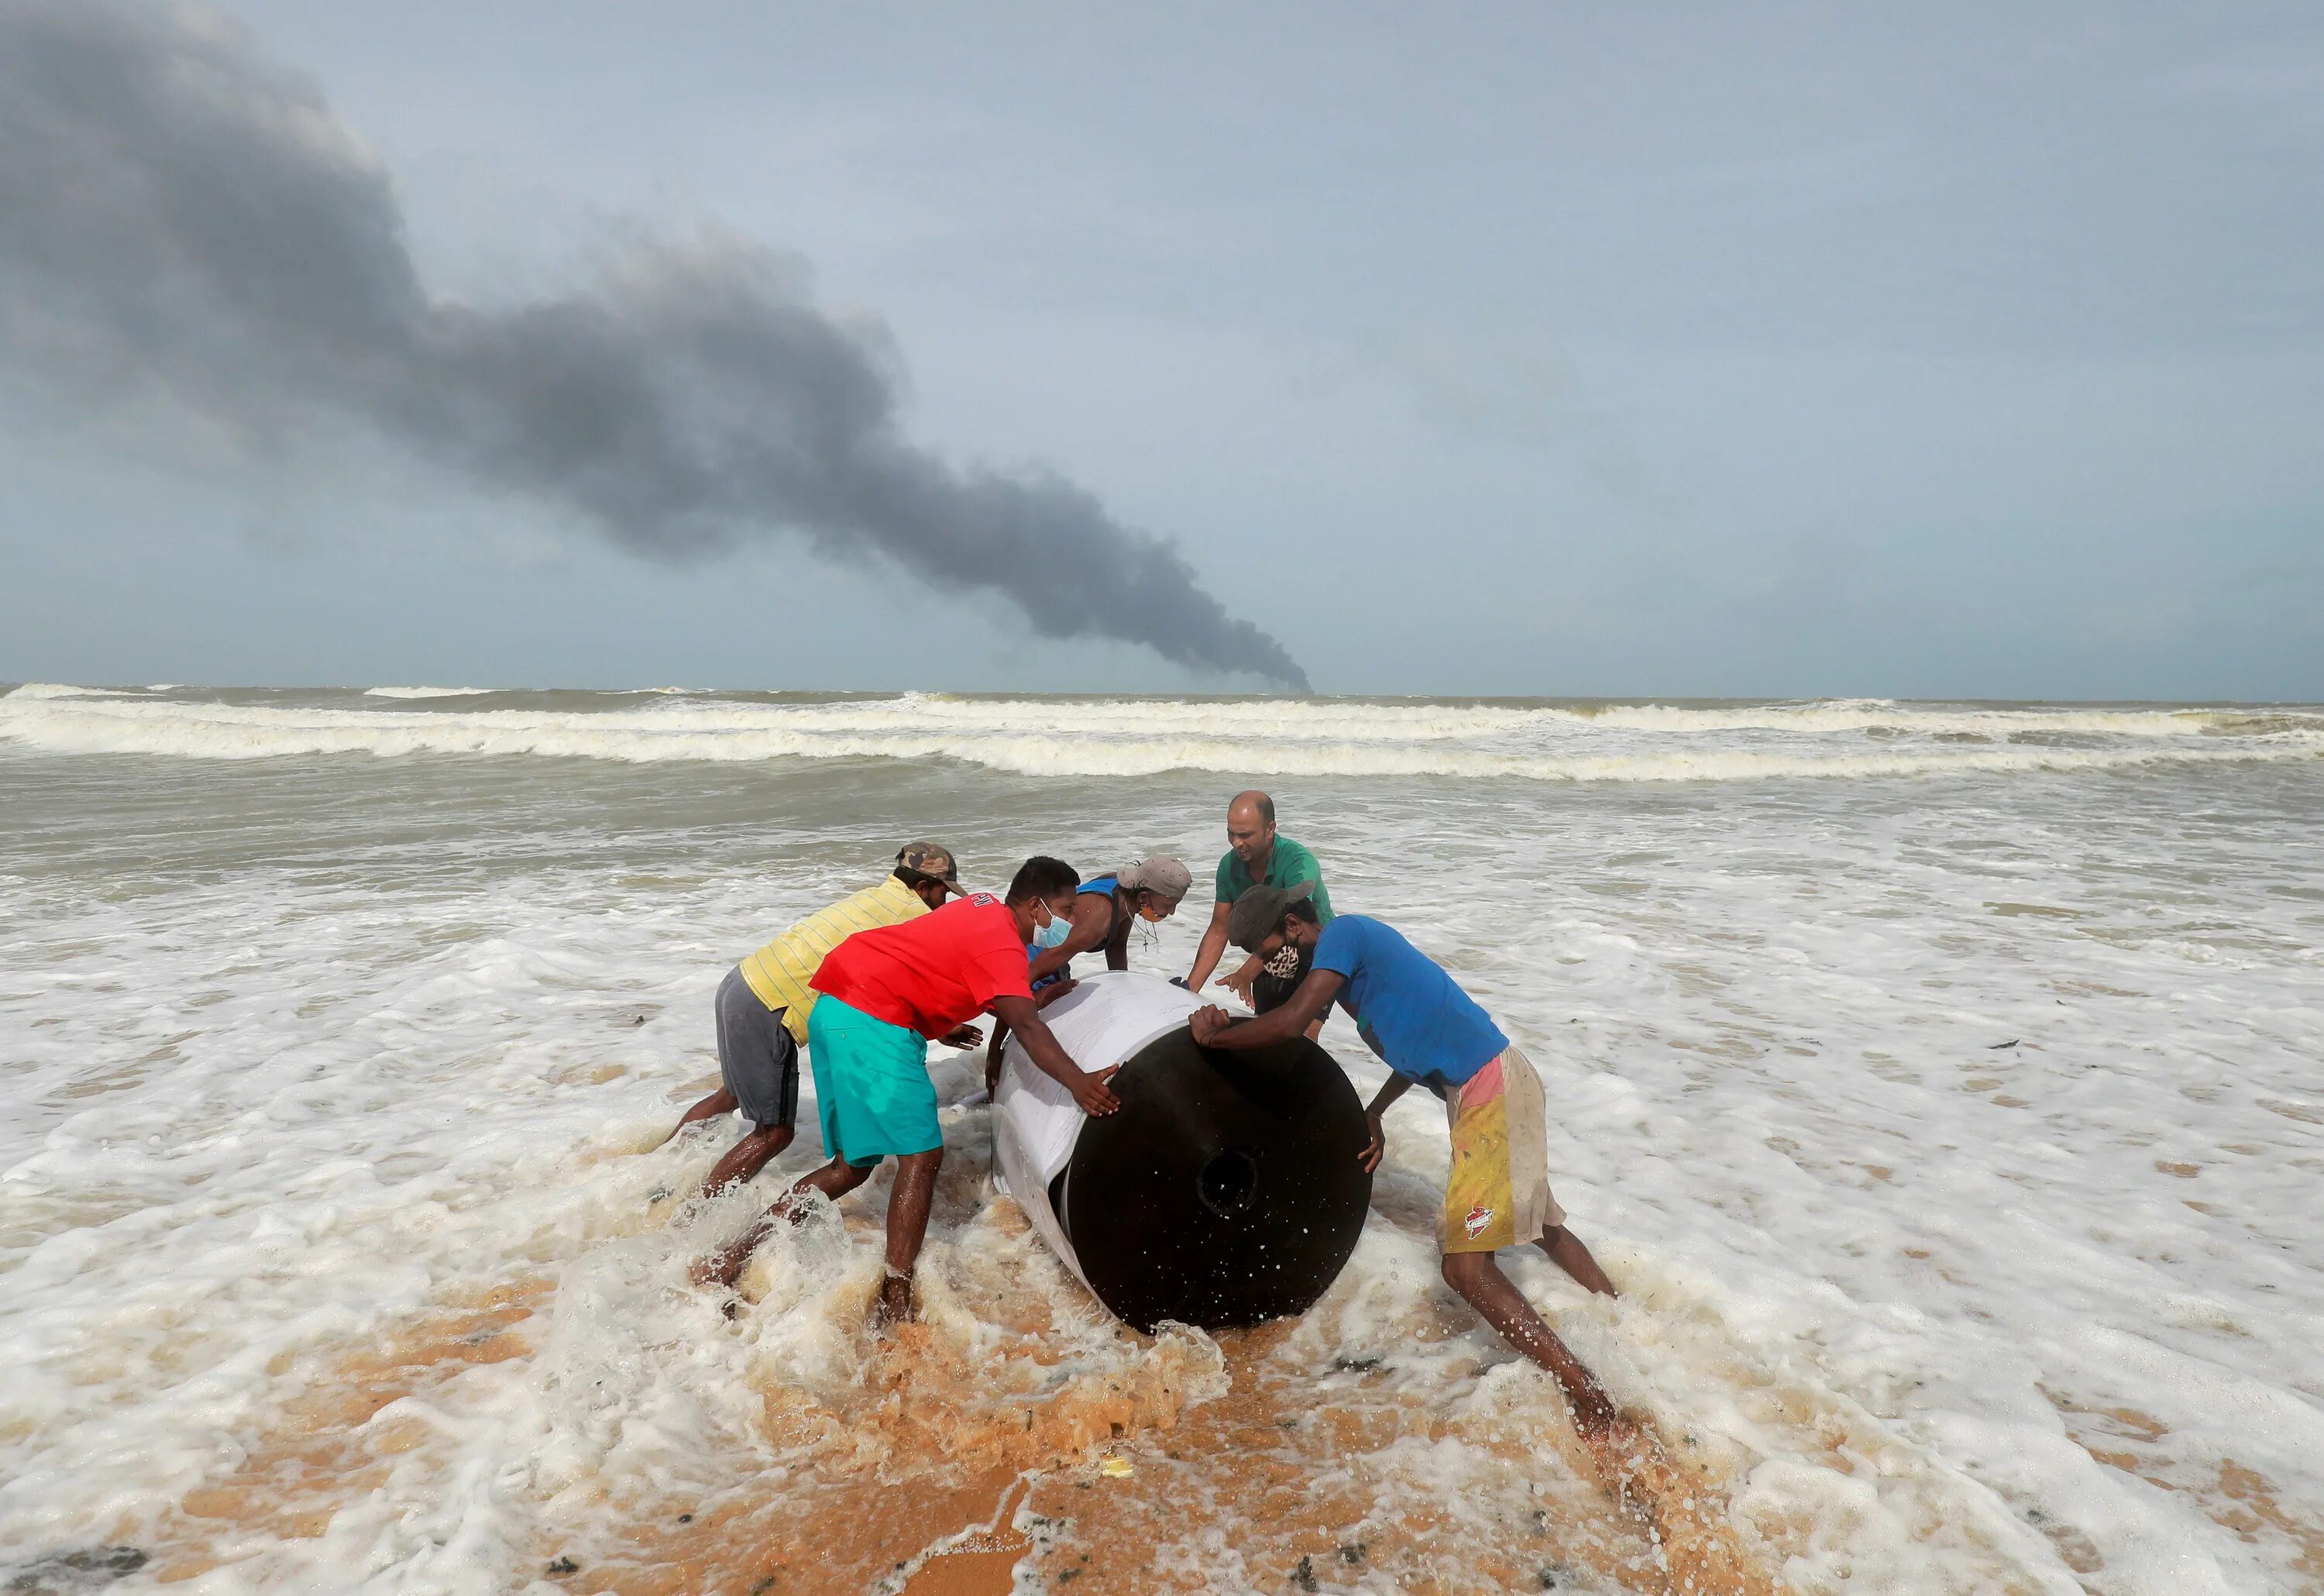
pixel 931 859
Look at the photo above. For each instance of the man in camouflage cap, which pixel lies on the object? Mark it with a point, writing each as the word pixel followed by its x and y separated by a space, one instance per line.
pixel 762 1008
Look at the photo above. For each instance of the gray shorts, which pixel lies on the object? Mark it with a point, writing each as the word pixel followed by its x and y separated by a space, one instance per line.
pixel 757 1058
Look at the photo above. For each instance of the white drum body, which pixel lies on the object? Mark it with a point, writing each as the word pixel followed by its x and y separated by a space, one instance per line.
pixel 1105 1020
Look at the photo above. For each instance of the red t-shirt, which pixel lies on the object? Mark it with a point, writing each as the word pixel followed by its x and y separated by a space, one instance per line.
pixel 934 973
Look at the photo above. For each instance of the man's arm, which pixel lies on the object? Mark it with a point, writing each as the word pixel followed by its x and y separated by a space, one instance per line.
pixel 1215 1027
pixel 1214 943
pixel 1377 1148
pixel 1023 1018
pixel 1084 937
pixel 992 1055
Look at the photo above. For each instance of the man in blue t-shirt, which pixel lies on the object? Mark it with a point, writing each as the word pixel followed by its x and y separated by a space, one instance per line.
pixel 1426 1029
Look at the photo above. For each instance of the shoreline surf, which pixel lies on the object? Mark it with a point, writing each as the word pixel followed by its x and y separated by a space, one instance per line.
pixel 330 1249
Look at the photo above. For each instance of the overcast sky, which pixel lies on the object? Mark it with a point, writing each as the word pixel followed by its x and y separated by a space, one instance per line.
pixel 1969 351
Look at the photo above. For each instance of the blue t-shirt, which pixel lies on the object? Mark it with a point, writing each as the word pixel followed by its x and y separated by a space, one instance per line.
pixel 1407 1009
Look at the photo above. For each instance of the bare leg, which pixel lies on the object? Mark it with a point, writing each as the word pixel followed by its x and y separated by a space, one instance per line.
pixel 721 1102
pixel 833 1180
pixel 1567 1252
pixel 746 1157
pixel 907 1227
pixel 1482 1285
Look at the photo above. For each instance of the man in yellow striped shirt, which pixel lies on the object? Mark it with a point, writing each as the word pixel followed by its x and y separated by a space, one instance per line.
pixel 762 1008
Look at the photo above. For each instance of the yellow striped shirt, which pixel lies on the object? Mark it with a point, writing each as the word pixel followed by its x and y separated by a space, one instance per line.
pixel 780 971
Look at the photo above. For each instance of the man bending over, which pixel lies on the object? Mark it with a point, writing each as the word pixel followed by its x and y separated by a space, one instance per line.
pixel 1104 911
pixel 884 993
pixel 1107 909
pixel 1426 1029
pixel 764 1006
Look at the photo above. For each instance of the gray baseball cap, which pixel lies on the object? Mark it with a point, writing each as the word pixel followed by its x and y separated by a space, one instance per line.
pixel 1257 912
pixel 1161 875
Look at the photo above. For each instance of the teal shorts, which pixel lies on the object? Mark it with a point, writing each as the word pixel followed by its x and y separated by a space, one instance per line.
pixel 872 1086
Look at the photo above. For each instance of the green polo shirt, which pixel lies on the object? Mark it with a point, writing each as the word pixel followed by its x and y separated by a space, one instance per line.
pixel 1288 863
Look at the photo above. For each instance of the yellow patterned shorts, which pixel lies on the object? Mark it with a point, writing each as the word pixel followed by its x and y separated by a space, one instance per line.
pixel 1497 1195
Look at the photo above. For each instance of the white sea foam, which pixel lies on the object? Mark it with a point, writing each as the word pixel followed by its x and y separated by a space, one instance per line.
pixel 296 1064
pixel 425 692
pixel 1310 737
pixel 45 692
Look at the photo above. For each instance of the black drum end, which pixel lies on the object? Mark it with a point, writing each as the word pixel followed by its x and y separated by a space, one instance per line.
pixel 1226 1191
pixel 1227 1182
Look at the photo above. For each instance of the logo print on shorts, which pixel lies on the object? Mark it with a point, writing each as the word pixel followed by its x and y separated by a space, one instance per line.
pixel 1478 1217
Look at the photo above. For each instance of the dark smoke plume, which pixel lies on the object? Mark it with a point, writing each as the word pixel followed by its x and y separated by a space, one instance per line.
pixel 179 215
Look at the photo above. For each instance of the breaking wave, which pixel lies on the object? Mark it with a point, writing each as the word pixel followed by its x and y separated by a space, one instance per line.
pixel 37 692
pixel 1116 737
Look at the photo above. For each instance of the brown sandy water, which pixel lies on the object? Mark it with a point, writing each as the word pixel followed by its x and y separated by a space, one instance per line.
pixel 1182 1463
pixel 2237 1498
pixel 982 1563
pixel 996 1440
pixel 1265 1481
pixel 1014 1432
pixel 915 1483
pixel 1299 1489
pixel 324 1450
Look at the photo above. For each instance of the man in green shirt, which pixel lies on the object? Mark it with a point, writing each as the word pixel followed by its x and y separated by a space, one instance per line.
pixel 1256 855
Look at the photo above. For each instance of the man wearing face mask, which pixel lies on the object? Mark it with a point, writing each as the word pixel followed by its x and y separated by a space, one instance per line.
pixel 1105 910
pixel 1046 975
pixel 883 994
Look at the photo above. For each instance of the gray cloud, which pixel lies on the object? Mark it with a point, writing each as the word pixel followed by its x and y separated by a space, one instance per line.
pixel 182 218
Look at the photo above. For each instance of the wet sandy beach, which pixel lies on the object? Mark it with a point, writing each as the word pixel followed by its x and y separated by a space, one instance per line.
pixel 1937 1081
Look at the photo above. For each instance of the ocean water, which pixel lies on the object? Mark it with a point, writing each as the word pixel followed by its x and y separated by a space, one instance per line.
pixel 1942 1083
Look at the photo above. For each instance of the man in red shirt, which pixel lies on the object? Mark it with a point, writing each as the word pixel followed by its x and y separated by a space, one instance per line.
pixel 883 994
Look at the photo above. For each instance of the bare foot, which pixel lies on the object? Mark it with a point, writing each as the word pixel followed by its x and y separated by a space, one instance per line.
pixel 722 1268
pixel 1595 1419
pixel 1620 1440
pixel 894 1305
pixel 1630 1459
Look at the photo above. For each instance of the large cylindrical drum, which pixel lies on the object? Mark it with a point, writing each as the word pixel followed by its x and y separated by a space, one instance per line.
pixel 1226 1190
